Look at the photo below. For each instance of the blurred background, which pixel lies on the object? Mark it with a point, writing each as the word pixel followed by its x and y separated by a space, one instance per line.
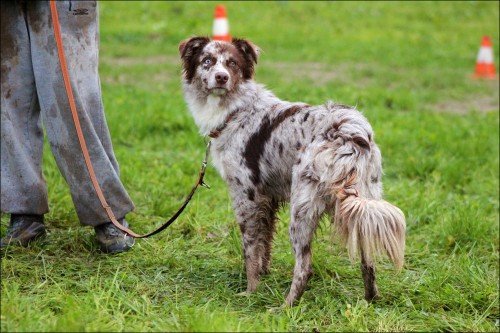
pixel 410 54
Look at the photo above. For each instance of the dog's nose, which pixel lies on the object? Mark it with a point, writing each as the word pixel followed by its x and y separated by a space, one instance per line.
pixel 221 77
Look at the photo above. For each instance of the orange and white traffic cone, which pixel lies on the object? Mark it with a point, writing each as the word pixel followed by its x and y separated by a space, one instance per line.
pixel 485 67
pixel 221 24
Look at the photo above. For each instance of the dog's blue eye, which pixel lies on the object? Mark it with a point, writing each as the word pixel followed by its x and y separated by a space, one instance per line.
pixel 207 61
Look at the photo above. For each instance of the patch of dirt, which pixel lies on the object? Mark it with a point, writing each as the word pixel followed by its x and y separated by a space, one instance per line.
pixel 486 103
pixel 319 73
pixel 164 75
pixel 158 77
pixel 134 61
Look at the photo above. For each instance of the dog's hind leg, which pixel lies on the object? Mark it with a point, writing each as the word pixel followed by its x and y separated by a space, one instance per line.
pixel 368 273
pixel 257 224
pixel 306 209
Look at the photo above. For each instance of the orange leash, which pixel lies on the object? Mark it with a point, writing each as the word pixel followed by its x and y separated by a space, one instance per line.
pixel 83 145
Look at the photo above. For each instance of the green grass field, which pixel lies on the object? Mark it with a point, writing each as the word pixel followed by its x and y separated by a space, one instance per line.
pixel 406 65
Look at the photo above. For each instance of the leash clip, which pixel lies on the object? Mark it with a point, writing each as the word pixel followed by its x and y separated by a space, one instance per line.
pixel 204 166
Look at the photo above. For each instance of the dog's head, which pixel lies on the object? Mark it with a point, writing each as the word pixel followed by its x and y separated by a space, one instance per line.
pixel 217 67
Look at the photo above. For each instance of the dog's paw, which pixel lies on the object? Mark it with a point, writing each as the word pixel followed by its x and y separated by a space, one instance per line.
pixel 244 293
pixel 277 309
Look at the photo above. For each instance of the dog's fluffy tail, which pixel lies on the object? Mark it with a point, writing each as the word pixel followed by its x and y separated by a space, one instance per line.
pixel 367 224
pixel 371 227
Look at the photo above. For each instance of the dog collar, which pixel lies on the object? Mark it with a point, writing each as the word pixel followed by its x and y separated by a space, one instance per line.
pixel 215 133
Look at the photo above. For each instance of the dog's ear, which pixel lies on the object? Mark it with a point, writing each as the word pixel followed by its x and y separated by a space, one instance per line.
pixel 190 46
pixel 247 48
pixel 250 53
pixel 188 50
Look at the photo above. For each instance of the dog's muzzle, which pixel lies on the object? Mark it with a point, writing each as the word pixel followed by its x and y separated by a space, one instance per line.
pixel 221 79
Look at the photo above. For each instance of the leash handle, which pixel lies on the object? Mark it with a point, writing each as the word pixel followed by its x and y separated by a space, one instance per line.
pixel 83 145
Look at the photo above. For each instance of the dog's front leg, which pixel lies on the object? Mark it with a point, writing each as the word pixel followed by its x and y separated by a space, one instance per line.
pixel 253 259
pixel 256 219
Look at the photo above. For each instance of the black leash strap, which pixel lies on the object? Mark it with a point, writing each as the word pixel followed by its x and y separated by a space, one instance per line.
pixel 188 199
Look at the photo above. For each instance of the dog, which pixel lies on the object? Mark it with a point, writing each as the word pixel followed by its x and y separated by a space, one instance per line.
pixel 321 159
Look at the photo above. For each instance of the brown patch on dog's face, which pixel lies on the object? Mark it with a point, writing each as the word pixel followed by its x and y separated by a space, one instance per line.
pixel 249 52
pixel 189 50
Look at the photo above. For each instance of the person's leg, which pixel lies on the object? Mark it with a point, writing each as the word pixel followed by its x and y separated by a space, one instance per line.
pixel 23 187
pixel 79 22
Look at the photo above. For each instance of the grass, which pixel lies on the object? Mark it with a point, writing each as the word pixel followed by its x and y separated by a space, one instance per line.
pixel 406 65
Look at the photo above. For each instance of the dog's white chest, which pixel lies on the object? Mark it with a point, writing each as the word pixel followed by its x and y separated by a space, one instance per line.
pixel 218 162
pixel 207 115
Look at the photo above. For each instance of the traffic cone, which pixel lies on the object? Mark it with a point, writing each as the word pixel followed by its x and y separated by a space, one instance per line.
pixel 485 68
pixel 221 24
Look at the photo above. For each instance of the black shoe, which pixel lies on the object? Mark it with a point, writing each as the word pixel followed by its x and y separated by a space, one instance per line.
pixel 111 239
pixel 23 229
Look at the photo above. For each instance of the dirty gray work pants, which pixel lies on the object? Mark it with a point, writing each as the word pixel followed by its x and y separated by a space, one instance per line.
pixel 32 88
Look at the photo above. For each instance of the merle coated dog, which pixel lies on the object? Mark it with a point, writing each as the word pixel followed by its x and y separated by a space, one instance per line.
pixel 321 159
